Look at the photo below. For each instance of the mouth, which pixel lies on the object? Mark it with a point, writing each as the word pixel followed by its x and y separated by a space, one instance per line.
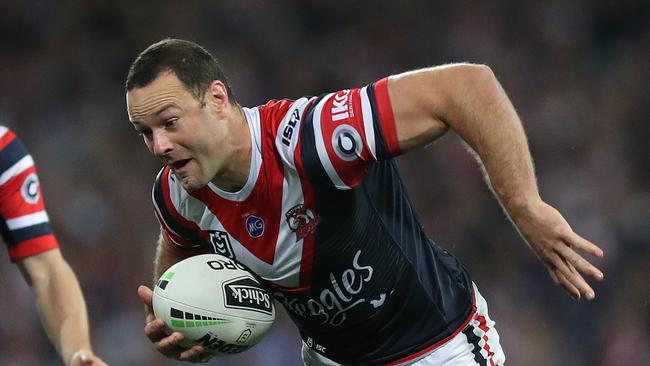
pixel 179 164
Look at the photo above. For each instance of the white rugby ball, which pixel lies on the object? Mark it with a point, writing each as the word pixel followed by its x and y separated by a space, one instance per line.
pixel 213 301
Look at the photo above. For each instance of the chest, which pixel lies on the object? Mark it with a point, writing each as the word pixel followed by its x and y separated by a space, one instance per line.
pixel 271 231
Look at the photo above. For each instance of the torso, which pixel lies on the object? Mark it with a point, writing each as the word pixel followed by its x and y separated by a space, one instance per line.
pixel 345 263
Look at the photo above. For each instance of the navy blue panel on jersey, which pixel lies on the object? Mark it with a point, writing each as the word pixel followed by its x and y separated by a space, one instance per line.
pixel 11 154
pixel 380 143
pixel 310 159
pixel 169 219
pixel 31 232
pixel 408 292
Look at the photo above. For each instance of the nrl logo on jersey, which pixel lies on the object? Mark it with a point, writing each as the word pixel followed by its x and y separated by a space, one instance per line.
pixel 220 242
pixel 302 221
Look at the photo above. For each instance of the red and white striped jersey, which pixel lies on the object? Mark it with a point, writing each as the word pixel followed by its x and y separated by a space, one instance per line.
pixel 325 221
pixel 24 224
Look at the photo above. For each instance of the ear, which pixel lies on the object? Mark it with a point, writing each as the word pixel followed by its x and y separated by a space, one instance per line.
pixel 217 96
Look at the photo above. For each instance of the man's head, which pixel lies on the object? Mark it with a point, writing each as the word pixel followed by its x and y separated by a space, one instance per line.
pixel 192 64
pixel 179 102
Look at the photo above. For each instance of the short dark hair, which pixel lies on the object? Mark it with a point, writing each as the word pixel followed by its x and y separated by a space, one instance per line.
pixel 194 66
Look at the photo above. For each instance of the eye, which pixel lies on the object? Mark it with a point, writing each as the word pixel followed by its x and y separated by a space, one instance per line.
pixel 171 122
pixel 145 132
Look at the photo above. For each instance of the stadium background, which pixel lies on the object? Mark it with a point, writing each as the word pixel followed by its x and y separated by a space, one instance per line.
pixel 576 70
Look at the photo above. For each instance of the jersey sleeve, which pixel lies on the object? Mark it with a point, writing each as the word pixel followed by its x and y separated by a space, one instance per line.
pixel 343 133
pixel 24 223
pixel 183 234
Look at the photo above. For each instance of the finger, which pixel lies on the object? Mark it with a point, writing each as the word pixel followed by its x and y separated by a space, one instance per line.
pixel 559 279
pixel 193 354
pixel 154 330
pixel 577 261
pixel 171 341
pixel 583 244
pixel 169 346
pixel 145 294
pixel 572 276
pixel 576 275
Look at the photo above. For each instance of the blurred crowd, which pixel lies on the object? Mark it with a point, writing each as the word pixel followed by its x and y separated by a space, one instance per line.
pixel 576 70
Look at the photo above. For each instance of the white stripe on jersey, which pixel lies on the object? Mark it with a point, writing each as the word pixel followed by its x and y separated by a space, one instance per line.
pixel 23 164
pixel 320 146
pixel 368 122
pixel 253 120
pixel 288 250
pixel 27 220
pixel 3 130
pixel 287 151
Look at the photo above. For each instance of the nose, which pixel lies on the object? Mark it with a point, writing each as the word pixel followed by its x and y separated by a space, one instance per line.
pixel 161 145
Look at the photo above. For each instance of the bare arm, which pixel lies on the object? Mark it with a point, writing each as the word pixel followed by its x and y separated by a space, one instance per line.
pixel 154 328
pixel 61 306
pixel 469 100
pixel 165 258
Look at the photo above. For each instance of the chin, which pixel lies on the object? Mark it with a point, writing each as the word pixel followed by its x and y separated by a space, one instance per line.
pixel 190 184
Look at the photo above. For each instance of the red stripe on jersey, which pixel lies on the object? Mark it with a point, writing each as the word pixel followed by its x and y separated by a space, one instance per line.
pixel 13 203
pixel 483 326
pixel 233 215
pixel 32 247
pixel 274 111
pixel 6 139
pixel 342 127
pixel 178 218
pixel 308 242
pixel 386 117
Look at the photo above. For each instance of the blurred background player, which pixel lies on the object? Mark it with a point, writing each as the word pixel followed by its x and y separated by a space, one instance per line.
pixel 34 248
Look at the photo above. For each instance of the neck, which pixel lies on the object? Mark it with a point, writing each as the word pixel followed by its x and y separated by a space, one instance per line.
pixel 238 163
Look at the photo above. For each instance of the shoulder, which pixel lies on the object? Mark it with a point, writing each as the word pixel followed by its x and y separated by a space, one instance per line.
pixel 167 191
pixel 279 123
pixel 10 143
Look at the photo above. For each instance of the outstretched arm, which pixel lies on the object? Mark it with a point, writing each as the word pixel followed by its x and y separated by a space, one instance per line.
pixel 61 306
pixel 469 100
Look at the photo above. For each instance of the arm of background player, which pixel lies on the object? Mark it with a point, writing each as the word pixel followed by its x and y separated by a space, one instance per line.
pixel 154 328
pixel 61 306
pixel 469 100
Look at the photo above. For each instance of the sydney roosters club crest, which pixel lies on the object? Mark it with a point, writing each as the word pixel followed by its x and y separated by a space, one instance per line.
pixel 302 221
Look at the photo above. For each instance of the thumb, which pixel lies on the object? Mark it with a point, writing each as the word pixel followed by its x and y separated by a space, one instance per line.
pixel 145 294
pixel 81 357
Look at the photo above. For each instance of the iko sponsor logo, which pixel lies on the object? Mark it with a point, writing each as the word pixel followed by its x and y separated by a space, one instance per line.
pixel 347 142
pixel 287 133
pixel 29 189
pixel 221 243
pixel 213 343
pixel 254 226
pixel 340 109
pixel 334 302
pixel 246 294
